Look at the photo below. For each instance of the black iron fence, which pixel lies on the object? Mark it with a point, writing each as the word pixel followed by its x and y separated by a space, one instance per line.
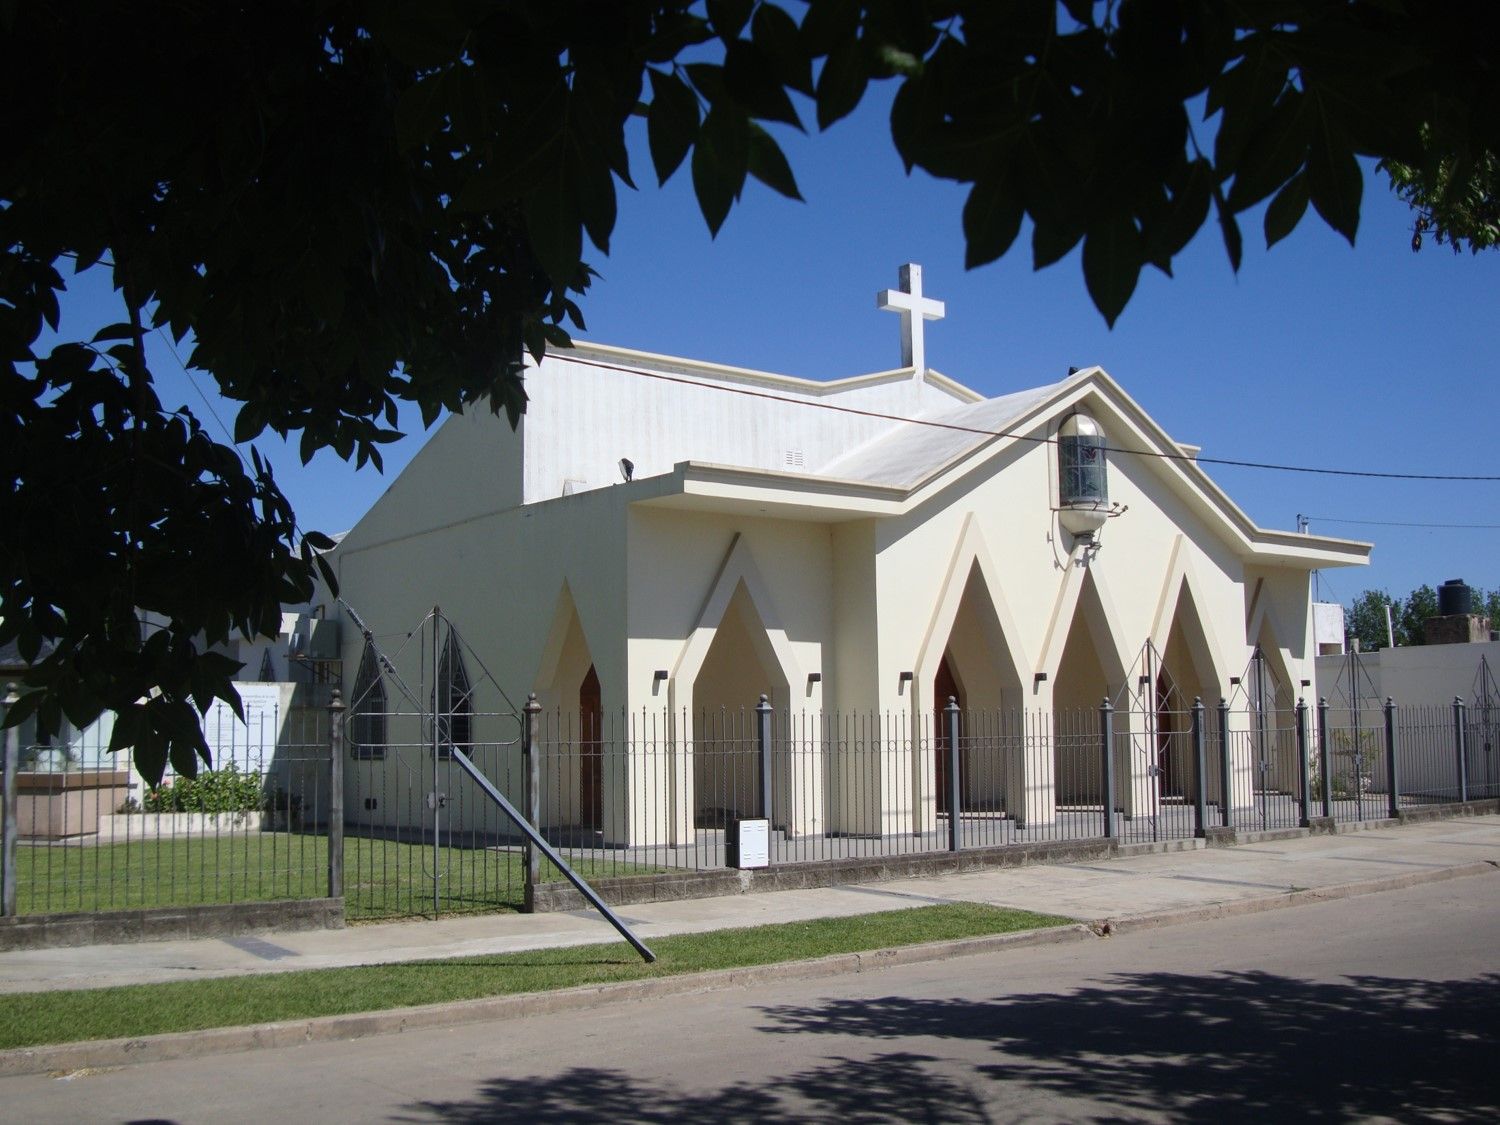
pixel 319 806
pixel 83 833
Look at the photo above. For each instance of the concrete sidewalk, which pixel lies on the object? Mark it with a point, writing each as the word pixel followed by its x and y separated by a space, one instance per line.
pixel 1141 886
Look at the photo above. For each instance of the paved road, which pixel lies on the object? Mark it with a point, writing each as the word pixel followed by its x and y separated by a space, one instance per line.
pixel 1381 1007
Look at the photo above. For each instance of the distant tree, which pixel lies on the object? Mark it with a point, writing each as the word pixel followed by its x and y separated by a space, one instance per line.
pixel 1416 608
pixel 1456 200
pixel 1366 620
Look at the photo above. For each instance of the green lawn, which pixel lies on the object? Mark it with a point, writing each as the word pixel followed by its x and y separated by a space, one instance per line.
pixel 28 1019
pixel 382 878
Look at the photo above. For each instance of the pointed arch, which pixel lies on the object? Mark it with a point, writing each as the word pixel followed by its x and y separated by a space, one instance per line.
pixel 367 716
pixel 1264 628
pixel 1197 629
pixel 453 699
pixel 1085 591
pixel 970 560
pixel 738 571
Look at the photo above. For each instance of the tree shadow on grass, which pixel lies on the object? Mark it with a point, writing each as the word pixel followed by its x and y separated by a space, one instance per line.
pixel 1232 1045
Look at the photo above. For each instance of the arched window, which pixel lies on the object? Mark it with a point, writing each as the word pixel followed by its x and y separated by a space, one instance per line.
pixel 367 728
pixel 454 704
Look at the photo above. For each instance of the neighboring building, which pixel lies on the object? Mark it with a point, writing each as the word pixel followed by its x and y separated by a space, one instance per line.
pixel 665 534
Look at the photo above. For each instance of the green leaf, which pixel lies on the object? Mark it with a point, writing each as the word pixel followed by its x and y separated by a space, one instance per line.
pixel 842 82
pixel 720 162
pixel 829 23
pixel 1334 182
pixel 1185 214
pixel 1051 241
pixel 768 164
pixel 729 17
pixel 775 33
pixel 992 219
pixel 1273 154
pixel 1234 243
pixel 1112 261
pixel 671 123
pixel 1286 210
pixel 750 79
pixel 552 225
pixel 421 110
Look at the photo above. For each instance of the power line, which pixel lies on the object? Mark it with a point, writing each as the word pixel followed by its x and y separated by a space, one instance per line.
pixel 982 432
pixel 1398 523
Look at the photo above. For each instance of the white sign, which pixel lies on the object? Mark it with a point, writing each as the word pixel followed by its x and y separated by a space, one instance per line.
pixel 755 843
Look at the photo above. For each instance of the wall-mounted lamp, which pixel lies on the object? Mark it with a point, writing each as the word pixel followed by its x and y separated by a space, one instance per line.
pixel 659 675
pixel 627 469
pixel 1039 678
pixel 814 678
pixel 1234 681
pixel 906 677
pixel 1144 682
pixel 1307 683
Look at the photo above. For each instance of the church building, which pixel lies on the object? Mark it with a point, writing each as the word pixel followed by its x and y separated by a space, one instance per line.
pixel 666 537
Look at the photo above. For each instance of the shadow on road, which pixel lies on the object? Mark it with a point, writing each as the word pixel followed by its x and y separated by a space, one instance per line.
pixel 1231 1046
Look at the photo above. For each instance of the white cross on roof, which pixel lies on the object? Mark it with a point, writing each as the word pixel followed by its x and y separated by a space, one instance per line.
pixel 914 309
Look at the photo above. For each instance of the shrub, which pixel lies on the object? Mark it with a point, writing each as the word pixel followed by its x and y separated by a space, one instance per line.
pixel 225 790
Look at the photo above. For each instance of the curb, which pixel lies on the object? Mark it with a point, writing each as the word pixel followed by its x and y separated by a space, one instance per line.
pixel 1105 927
pixel 66 1057
pixel 95 1054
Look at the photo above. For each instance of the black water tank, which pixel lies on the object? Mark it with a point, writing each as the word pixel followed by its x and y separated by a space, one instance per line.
pixel 1454 598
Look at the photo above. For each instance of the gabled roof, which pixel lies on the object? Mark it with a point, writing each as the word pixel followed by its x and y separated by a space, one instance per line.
pixel 913 451
pixel 906 466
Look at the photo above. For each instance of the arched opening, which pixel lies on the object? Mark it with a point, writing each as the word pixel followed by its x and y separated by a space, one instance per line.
pixel 1088 672
pixel 739 667
pixel 1185 673
pixel 945 688
pixel 454 700
pixel 573 731
pixel 591 752
pixel 977 669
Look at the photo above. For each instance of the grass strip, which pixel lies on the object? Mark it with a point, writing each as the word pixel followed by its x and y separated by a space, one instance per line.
pixel 382 878
pixel 30 1019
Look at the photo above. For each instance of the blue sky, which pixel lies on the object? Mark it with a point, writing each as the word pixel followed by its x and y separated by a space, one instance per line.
pixel 1371 358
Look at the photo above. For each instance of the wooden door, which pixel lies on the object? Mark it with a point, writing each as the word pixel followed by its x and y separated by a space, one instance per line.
pixel 590 753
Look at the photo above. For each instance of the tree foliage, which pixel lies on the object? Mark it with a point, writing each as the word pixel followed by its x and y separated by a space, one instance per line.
pixel 1366 616
pixel 1456 200
pixel 347 204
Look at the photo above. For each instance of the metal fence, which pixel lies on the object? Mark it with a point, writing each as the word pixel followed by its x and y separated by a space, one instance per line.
pixel 400 830
pixel 85 834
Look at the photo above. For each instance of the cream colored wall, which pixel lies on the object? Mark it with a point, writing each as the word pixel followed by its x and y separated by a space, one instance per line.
pixel 678 559
pixel 469 468
pixel 498 579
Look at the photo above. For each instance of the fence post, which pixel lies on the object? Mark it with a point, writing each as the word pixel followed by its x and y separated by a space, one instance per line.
pixel 955 790
pixel 532 797
pixel 336 795
pixel 1390 756
pixel 1107 744
pixel 763 743
pixel 1225 789
pixel 1324 763
pixel 8 827
pixel 1303 773
pixel 1461 745
pixel 1200 766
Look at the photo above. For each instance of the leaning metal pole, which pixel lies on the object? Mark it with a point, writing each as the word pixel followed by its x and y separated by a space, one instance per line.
pixel 551 853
